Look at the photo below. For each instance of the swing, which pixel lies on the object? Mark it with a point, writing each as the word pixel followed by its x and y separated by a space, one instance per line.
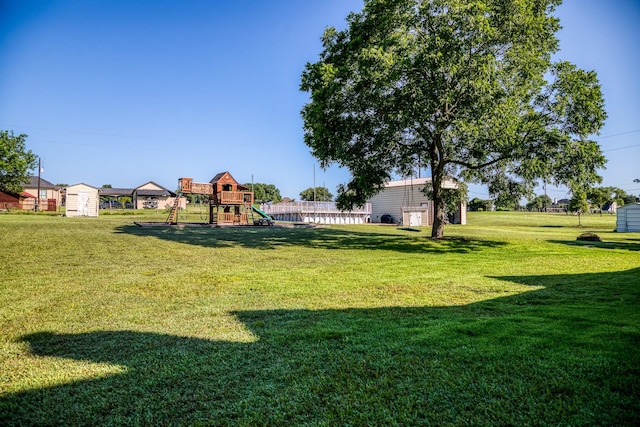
pixel 203 216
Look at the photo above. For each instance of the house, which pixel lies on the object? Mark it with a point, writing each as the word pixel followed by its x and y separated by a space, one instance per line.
pixel 152 196
pixel 46 195
pixel 403 202
pixel 628 218
pixel 561 205
pixel 82 200
pixel 609 207
pixel 147 196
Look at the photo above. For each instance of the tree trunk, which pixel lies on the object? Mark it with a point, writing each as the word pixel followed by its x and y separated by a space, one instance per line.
pixel 437 231
pixel 437 176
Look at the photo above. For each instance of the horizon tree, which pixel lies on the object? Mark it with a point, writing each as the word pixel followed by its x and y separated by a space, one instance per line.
pixel 468 88
pixel 539 203
pixel 598 196
pixel 579 204
pixel 15 162
pixel 321 194
pixel 264 193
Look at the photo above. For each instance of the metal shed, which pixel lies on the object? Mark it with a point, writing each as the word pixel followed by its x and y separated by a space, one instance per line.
pixel 404 202
pixel 628 219
pixel 82 200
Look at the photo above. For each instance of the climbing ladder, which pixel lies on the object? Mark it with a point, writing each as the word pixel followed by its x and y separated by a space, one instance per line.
pixel 248 208
pixel 173 215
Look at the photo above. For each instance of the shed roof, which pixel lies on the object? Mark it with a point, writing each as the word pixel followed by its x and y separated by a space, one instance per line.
pixel 449 182
pixel 631 206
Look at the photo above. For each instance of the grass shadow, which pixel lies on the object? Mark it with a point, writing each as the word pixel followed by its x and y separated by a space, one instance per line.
pixel 629 244
pixel 562 355
pixel 323 238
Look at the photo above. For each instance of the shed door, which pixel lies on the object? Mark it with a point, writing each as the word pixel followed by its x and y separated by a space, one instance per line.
pixel 83 203
pixel 415 219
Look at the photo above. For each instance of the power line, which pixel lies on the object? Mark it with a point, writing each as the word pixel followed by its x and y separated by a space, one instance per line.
pixel 618 134
pixel 622 148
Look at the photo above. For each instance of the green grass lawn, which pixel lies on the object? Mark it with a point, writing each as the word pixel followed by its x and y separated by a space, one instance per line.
pixel 508 321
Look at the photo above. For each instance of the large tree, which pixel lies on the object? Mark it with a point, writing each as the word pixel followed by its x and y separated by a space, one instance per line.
pixel 15 162
pixel 467 87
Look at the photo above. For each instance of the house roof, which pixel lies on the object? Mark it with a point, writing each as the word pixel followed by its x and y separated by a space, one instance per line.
pixel 28 195
pixel 5 195
pixel 144 192
pixel 158 191
pixel 33 183
pixel 155 184
pixel 116 191
pixel 81 183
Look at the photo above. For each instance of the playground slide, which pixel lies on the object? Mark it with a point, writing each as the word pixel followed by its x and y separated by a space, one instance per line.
pixel 259 212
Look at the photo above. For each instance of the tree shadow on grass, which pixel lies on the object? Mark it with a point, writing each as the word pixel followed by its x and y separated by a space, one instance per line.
pixel 323 238
pixel 626 244
pixel 566 354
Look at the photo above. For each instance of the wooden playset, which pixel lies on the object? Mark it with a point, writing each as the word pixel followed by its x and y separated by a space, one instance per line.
pixel 230 203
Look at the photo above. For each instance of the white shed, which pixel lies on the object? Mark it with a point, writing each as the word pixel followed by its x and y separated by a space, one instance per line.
pixel 82 200
pixel 628 218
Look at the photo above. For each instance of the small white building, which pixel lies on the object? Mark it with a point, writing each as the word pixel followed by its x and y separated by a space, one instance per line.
pixel 82 200
pixel 628 218
pixel 403 202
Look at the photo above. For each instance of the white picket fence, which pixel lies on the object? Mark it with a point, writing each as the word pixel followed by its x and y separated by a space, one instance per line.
pixel 317 212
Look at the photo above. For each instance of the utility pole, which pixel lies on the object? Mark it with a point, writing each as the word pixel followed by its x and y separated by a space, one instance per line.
pixel 38 195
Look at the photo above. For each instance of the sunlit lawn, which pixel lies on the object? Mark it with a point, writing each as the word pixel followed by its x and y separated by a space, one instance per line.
pixel 509 321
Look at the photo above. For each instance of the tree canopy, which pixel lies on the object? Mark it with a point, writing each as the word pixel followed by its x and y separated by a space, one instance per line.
pixel 264 193
pixel 322 194
pixel 15 162
pixel 468 88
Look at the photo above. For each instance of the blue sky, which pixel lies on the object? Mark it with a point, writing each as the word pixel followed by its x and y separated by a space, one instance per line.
pixel 124 92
